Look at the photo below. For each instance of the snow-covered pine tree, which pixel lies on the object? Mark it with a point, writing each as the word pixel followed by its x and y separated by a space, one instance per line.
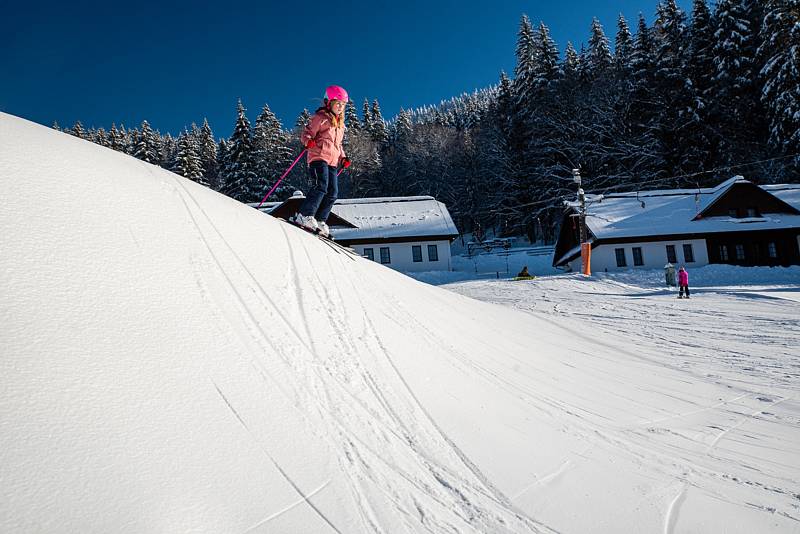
pixel 78 130
pixel 736 98
pixel 700 68
pixel 584 67
pixel 301 121
pixel 546 72
pixel 599 55
pixel 167 150
pixel 271 151
pixel 780 51
pixel 187 160
pixel 351 117
pixel 379 133
pixel 570 66
pixel 623 48
pixel 644 109
pixel 367 117
pixel 116 140
pixel 148 145
pixel 207 151
pixel 131 138
pixel 523 71
pixel 643 56
pixel 677 124
pixel 700 49
pixel 402 129
pixel 505 104
pixel 241 172
pixel 223 164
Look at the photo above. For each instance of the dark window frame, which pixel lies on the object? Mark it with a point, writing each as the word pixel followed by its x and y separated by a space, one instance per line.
pixel 435 255
pixel 387 259
pixel 772 250
pixel 740 252
pixel 638 257
pixel 416 253
pixel 688 258
pixel 621 260
pixel 369 253
pixel 672 254
pixel 723 253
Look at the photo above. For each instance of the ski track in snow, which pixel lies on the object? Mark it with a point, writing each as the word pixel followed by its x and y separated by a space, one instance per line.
pixel 308 389
pixel 471 511
pixel 682 339
pixel 671 518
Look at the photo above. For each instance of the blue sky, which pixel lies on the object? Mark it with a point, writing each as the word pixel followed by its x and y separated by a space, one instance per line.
pixel 174 63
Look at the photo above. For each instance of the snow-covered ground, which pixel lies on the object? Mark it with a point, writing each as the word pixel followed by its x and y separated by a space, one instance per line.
pixel 173 361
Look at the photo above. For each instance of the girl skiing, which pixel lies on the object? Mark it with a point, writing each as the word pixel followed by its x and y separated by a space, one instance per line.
pixel 683 282
pixel 323 137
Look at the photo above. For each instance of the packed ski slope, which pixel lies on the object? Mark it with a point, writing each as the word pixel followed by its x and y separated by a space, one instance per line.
pixel 741 331
pixel 173 361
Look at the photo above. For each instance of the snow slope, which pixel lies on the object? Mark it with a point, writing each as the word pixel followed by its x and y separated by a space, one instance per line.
pixel 175 361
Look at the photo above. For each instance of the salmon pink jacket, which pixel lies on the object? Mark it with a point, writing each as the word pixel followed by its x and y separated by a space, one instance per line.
pixel 327 137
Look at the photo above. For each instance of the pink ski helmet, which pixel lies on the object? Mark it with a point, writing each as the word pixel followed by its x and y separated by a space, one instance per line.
pixel 336 92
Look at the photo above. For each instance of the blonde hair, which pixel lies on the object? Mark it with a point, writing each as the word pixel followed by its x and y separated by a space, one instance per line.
pixel 336 120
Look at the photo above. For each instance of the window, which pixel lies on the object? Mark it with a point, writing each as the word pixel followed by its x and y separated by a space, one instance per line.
pixel 672 257
pixel 369 253
pixel 637 256
pixel 739 252
pixel 688 254
pixel 723 252
pixel 732 213
pixel 416 251
pixel 385 257
pixel 773 250
pixel 433 253
pixel 752 212
pixel 620 252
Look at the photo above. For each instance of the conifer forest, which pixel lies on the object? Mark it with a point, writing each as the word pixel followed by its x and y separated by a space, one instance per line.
pixel 686 102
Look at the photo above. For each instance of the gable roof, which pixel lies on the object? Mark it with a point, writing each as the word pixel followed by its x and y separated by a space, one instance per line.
pixel 680 211
pixel 358 220
pixel 648 215
pixel 394 218
pixel 731 198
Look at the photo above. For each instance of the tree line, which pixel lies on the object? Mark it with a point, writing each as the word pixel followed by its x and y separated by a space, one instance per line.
pixel 683 103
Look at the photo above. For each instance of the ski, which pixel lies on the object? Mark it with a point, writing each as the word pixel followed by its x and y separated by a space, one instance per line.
pixel 338 247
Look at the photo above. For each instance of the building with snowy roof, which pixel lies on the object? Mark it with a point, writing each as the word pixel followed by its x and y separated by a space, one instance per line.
pixel 404 233
pixel 736 222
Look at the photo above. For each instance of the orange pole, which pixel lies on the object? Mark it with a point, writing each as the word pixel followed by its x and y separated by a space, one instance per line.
pixel 586 259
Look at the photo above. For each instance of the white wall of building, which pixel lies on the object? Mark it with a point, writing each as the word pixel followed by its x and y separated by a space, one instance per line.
pixel 654 255
pixel 402 258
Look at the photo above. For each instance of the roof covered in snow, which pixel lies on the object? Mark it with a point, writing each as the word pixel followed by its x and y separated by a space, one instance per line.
pixel 393 217
pixel 680 211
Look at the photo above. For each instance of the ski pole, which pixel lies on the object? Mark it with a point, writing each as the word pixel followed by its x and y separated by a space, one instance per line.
pixel 281 178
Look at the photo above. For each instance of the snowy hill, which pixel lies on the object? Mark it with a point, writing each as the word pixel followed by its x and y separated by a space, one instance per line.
pixel 174 361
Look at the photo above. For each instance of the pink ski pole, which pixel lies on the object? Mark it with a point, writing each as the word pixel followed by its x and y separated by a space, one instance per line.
pixel 274 187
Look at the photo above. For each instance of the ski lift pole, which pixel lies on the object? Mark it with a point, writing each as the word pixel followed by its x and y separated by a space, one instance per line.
pixel 586 248
pixel 274 187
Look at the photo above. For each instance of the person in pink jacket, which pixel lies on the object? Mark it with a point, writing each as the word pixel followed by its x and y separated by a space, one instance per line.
pixel 683 282
pixel 322 137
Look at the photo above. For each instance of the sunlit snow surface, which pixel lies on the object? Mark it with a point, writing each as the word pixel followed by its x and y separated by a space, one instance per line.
pixel 173 361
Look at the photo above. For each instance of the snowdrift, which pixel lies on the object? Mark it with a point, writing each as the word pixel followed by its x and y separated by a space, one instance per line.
pixel 174 361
